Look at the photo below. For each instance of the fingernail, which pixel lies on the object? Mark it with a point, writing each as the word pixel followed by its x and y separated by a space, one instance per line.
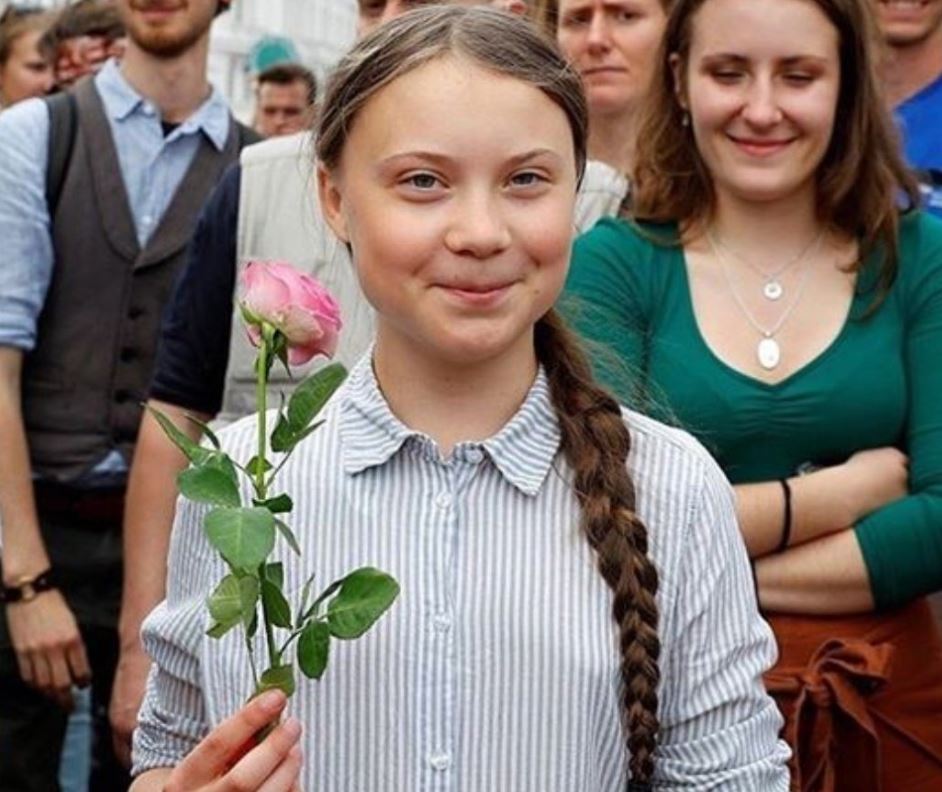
pixel 292 727
pixel 272 700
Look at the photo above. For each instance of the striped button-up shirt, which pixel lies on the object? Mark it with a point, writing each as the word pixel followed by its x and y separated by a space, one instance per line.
pixel 497 669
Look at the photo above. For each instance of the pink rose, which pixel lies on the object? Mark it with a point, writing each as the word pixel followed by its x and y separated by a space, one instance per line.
pixel 294 303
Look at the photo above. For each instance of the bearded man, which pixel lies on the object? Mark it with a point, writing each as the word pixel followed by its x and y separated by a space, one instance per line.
pixel 88 265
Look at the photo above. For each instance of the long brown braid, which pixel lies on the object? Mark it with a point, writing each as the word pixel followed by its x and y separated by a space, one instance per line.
pixel 596 442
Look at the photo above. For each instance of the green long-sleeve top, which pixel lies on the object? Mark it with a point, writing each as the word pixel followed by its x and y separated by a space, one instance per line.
pixel 879 383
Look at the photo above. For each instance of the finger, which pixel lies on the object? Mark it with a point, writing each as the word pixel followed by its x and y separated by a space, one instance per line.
pixel 42 676
pixel 285 776
pixel 264 760
pixel 209 759
pixel 25 667
pixel 61 680
pixel 78 663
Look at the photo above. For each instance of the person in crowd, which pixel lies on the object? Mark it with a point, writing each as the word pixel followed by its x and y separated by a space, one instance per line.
pixel 769 294
pixel 475 416
pixel 25 60
pixel 912 71
pixel 82 289
pixel 86 34
pixel 263 208
pixel 284 99
pixel 613 44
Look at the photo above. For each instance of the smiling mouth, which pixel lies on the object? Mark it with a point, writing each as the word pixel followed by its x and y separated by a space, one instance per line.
pixel 477 295
pixel 760 148
pixel 602 70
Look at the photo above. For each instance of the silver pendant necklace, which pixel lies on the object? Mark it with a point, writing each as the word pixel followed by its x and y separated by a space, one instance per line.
pixel 772 288
pixel 768 350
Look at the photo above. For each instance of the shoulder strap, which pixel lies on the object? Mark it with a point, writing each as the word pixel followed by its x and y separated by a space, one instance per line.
pixel 62 121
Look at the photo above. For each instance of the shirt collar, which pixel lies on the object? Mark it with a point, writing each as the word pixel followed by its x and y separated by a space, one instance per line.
pixel 523 450
pixel 121 101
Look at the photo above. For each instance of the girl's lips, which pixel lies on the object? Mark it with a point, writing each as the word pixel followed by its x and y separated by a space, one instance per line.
pixel 760 148
pixel 478 296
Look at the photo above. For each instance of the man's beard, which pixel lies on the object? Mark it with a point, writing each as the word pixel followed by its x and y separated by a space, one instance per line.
pixel 161 43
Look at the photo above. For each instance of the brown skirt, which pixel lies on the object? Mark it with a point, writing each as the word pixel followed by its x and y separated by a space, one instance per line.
pixel 862 700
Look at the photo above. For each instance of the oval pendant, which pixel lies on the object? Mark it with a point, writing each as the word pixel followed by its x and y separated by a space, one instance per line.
pixel 769 353
pixel 773 290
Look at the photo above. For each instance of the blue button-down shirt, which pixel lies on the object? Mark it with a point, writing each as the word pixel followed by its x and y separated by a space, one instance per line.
pixel 498 666
pixel 152 164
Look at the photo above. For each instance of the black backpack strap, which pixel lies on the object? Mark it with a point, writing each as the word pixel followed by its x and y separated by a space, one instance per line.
pixel 63 117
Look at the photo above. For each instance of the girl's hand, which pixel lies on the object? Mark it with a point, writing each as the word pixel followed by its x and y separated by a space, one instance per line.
pixel 227 760
pixel 874 478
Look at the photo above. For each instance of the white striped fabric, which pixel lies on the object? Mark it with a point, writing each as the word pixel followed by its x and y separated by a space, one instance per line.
pixel 497 668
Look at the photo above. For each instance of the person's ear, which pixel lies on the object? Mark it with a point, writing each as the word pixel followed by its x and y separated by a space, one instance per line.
pixel 332 203
pixel 680 81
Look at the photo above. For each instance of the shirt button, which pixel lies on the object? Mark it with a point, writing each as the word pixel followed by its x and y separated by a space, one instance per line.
pixel 439 761
pixel 442 622
pixel 443 501
pixel 475 455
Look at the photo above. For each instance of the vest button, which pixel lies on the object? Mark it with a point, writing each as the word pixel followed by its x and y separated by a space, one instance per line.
pixel 128 354
pixel 135 313
pixel 122 396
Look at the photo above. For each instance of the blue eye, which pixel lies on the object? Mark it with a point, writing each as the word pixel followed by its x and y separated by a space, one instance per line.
pixel 526 179
pixel 422 181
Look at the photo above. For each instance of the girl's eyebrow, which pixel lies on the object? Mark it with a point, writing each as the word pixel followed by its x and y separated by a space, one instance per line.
pixel 734 58
pixel 444 159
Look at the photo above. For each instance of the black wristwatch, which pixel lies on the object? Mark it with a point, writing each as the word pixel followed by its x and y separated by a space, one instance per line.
pixel 29 589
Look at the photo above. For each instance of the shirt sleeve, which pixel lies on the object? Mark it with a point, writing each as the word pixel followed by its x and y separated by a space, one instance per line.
pixel 902 542
pixel 605 303
pixel 193 351
pixel 719 727
pixel 26 268
pixel 173 718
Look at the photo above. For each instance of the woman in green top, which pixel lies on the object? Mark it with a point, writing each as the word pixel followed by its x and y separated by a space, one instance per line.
pixel 769 295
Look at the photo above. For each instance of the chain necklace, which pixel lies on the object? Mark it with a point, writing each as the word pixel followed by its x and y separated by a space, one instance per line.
pixel 768 350
pixel 772 288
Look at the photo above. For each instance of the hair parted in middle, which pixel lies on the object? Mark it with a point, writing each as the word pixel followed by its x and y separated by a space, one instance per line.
pixel 595 440
pixel 860 180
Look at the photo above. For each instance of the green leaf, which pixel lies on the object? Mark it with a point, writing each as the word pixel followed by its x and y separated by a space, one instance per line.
pixel 276 606
pixel 243 536
pixel 364 596
pixel 204 428
pixel 282 435
pixel 206 484
pixel 288 535
pixel 313 649
pixel 312 394
pixel 252 627
pixel 232 601
pixel 305 596
pixel 193 451
pixel 280 504
pixel 219 630
pixel 255 462
pixel 323 596
pixel 281 677
pixel 275 572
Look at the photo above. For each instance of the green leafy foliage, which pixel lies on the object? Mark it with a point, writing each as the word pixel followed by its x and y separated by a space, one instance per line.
pixel 313 649
pixel 204 428
pixel 281 677
pixel 364 596
pixel 243 536
pixel 288 535
pixel 254 465
pixel 192 450
pixel 277 608
pixel 280 504
pixel 232 602
pixel 208 484
pixel 304 405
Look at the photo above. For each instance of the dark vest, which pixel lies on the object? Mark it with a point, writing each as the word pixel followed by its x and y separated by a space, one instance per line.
pixel 84 383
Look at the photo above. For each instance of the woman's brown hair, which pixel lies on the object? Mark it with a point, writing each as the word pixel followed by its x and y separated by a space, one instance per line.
pixel 16 22
pixel 595 441
pixel 860 181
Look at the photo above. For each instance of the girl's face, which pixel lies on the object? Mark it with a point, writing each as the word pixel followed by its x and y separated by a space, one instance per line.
pixel 26 73
pixel 613 45
pixel 761 87
pixel 456 190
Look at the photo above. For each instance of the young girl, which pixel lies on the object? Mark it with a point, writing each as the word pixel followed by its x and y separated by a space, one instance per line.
pixel 537 644
pixel 25 62
pixel 780 305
